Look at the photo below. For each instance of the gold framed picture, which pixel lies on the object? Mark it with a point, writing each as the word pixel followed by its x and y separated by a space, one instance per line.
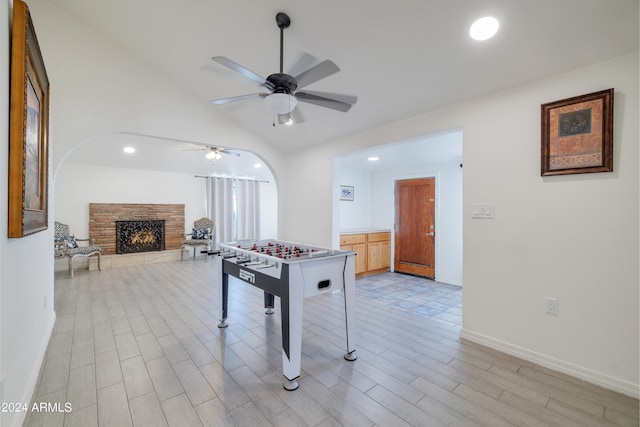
pixel 577 134
pixel 28 129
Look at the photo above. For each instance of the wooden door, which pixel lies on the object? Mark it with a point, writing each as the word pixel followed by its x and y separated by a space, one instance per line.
pixel 415 227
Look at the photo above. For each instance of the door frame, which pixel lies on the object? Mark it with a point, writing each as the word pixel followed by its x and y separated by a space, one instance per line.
pixel 436 213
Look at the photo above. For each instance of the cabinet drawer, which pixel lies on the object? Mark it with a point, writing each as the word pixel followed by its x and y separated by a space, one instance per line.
pixel 352 239
pixel 379 237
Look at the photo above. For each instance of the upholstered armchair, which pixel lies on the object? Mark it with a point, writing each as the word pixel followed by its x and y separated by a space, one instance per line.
pixel 66 246
pixel 202 235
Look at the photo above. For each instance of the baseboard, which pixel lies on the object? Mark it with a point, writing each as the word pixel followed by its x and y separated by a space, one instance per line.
pixel 35 374
pixel 449 281
pixel 593 377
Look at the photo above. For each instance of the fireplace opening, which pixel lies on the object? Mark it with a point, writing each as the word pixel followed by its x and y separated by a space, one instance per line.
pixel 139 236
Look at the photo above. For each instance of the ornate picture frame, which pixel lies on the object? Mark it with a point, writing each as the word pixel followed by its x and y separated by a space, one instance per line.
pixel 577 134
pixel 28 129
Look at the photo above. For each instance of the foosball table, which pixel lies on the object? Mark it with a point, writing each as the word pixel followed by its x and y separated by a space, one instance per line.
pixel 291 272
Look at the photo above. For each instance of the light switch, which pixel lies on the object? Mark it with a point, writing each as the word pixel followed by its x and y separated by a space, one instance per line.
pixel 482 210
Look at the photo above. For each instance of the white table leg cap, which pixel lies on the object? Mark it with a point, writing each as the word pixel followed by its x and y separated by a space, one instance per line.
pixel 351 356
pixel 291 385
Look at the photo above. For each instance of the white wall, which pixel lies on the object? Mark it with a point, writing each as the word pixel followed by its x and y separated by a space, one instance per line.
pixel 26 276
pixel 96 88
pixel 118 185
pixel 570 237
pixel 99 88
pixel 355 214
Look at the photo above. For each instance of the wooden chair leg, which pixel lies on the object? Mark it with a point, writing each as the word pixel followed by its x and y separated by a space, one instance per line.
pixel 99 259
pixel 70 262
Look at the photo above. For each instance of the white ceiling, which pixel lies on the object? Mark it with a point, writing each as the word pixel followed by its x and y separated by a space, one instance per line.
pixel 436 148
pixel 400 58
pixel 167 155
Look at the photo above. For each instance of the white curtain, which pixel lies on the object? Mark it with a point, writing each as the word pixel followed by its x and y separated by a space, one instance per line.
pixel 248 209
pixel 235 220
pixel 220 207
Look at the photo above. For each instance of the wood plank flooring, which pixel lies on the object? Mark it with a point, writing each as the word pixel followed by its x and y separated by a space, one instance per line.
pixel 140 346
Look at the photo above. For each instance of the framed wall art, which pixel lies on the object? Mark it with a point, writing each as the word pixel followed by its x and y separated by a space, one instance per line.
pixel 28 129
pixel 577 134
pixel 346 193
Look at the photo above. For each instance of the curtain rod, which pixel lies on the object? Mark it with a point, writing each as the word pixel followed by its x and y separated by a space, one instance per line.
pixel 226 177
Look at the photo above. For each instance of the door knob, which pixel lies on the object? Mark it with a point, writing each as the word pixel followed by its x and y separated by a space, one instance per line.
pixel 431 234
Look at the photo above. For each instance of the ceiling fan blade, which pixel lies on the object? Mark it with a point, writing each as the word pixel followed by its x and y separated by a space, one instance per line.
pixel 239 98
pixel 223 60
pixel 321 101
pixel 212 148
pixel 303 61
pixel 231 153
pixel 317 72
pixel 347 99
pixel 295 116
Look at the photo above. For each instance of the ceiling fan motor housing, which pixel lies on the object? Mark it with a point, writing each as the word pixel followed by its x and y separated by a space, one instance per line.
pixel 282 83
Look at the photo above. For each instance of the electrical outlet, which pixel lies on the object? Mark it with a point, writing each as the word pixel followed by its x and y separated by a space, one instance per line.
pixel 551 305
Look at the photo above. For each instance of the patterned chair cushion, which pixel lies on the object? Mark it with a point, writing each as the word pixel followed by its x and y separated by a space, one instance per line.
pixel 200 234
pixel 83 250
pixel 62 243
pixel 71 241
pixel 60 230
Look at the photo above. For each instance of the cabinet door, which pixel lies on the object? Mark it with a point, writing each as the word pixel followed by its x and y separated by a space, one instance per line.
pixel 361 257
pixel 385 254
pixel 379 255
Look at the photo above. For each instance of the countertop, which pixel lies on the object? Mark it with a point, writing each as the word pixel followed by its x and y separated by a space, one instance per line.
pixel 364 231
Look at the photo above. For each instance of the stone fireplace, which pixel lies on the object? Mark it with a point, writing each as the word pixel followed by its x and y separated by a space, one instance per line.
pixel 139 236
pixel 103 218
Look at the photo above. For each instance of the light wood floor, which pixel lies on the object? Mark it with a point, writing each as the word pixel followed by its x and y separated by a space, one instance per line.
pixel 140 346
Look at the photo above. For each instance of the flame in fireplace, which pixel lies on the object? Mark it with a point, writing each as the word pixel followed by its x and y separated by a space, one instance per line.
pixel 143 238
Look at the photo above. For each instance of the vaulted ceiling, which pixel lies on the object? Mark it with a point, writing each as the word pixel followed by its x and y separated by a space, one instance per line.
pixel 400 58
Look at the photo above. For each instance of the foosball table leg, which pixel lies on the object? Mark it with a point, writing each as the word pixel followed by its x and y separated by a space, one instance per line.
pixel 269 300
pixel 223 294
pixel 291 385
pixel 351 356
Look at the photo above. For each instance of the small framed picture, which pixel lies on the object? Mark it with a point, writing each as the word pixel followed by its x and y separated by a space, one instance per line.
pixel 346 193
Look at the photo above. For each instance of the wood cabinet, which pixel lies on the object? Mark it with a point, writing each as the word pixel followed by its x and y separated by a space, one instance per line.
pixel 356 243
pixel 373 251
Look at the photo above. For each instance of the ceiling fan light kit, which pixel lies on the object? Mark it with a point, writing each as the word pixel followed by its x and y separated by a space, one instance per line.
pixel 283 96
pixel 213 155
pixel 281 103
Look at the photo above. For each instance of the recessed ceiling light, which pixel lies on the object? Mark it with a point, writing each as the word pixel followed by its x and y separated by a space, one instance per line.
pixel 373 159
pixel 257 165
pixel 129 150
pixel 484 28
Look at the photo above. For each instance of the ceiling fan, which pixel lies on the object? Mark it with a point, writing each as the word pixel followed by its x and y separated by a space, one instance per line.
pixel 284 94
pixel 213 153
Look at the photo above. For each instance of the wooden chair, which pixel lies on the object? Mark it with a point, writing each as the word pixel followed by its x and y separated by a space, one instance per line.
pixel 202 235
pixel 66 245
